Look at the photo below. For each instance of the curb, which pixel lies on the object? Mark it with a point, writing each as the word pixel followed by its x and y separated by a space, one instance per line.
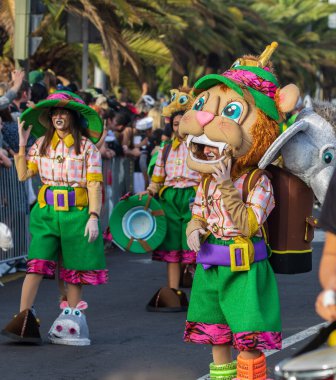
pixel 11 277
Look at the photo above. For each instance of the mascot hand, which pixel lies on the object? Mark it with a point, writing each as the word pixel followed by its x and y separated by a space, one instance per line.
pixel 91 229
pixel 224 173
pixel 193 240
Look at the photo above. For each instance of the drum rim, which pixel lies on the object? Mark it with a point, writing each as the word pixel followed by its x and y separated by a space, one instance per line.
pixel 303 375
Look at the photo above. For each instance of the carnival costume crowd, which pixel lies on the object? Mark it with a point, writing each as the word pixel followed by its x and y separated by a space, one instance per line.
pixel 82 153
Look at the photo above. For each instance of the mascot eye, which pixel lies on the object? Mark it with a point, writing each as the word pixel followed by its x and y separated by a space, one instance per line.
pixel 233 111
pixel 173 97
pixel 200 103
pixel 183 99
pixel 327 156
pixel 67 311
pixel 76 312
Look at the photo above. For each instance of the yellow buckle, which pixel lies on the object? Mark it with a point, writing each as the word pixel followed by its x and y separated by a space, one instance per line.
pixel 244 257
pixel 57 207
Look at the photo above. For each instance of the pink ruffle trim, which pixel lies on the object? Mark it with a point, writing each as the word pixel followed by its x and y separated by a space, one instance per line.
pixel 89 277
pixel 205 333
pixel 38 266
pixel 184 256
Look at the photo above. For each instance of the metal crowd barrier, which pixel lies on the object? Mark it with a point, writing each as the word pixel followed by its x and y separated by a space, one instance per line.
pixel 14 211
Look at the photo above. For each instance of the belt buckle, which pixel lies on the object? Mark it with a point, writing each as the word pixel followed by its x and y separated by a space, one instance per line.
pixel 245 261
pixel 57 207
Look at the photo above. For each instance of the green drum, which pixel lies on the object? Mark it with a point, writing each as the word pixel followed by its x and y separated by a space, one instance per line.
pixel 138 225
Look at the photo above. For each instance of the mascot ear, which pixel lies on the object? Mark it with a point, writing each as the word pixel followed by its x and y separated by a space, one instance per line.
pixel 288 97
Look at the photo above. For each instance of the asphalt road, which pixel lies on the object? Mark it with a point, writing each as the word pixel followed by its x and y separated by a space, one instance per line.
pixel 129 343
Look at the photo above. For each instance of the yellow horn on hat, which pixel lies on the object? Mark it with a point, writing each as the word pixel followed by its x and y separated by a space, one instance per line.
pixel 266 54
pixel 185 81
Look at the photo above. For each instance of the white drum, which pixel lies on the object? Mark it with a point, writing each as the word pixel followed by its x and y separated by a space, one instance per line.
pixel 315 365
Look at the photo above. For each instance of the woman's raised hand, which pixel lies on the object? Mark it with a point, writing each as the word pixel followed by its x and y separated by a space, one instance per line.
pixel 23 133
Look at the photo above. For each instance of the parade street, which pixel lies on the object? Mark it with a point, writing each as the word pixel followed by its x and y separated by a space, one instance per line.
pixel 129 343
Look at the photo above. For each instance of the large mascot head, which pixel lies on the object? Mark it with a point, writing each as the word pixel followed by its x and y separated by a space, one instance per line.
pixel 181 99
pixel 237 115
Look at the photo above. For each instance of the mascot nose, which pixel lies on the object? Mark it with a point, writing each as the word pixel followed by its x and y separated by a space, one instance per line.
pixel 204 117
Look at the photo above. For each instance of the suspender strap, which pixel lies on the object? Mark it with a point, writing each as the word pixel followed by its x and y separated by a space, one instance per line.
pixel 165 153
pixel 206 180
pixel 249 182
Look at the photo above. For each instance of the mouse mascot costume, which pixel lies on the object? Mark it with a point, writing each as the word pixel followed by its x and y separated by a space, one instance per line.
pixel 234 299
pixel 64 224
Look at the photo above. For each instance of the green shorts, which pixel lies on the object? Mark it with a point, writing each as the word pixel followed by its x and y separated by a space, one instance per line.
pixel 175 203
pixel 245 301
pixel 54 232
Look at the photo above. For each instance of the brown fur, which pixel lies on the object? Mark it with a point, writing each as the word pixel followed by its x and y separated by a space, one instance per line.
pixel 264 132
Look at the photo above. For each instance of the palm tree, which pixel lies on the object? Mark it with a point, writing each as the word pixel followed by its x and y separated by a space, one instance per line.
pixel 6 32
pixel 165 39
pixel 301 29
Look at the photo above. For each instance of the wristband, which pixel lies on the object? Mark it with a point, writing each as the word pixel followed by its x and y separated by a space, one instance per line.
pixel 95 214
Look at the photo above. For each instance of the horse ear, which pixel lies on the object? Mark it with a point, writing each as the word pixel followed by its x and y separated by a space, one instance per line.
pixel 82 305
pixel 288 98
pixel 64 304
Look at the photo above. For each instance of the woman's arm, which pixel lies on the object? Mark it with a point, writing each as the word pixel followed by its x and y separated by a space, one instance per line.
pixel 24 168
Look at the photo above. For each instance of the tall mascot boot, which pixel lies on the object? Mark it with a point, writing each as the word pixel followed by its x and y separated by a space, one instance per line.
pixel 24 327
pixel 223 371
pixel 251 369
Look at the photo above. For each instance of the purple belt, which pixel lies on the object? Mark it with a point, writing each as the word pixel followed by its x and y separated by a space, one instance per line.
pixel 235 257
pixel 60 197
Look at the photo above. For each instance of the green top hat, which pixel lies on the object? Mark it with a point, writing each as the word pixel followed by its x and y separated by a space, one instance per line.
pixel 138 226
pixel 38 116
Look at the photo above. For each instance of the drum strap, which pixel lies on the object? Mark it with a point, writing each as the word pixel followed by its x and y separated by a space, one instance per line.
pixel 130 242
pixel 143 244
pixel 148 202
pixel 319 339
pixel 157 212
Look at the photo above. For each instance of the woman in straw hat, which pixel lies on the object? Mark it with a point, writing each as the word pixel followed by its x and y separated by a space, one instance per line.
pixel 64 223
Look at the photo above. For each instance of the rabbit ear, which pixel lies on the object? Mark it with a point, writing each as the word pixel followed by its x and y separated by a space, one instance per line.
pixel 64 304
pixel 82 305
